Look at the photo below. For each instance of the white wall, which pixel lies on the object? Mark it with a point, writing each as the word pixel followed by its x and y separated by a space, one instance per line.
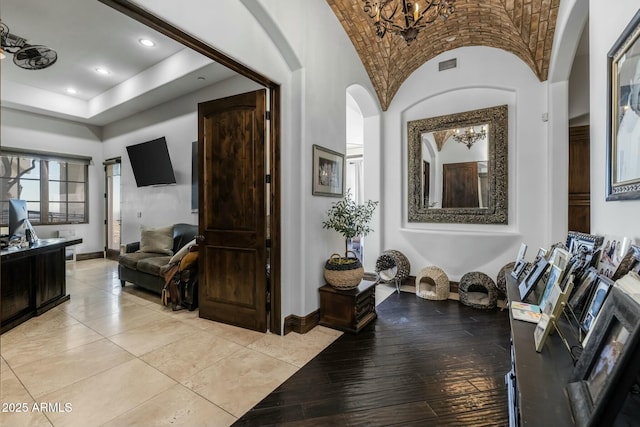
pixel 606 24
pixel 313 111
pixel 485 77
pixel 27 130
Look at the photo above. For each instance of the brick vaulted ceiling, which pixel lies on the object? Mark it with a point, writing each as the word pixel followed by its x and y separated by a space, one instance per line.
pixel 522 27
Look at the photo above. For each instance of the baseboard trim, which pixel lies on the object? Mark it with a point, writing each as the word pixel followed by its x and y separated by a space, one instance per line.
pixel 300 324
pixel 89 255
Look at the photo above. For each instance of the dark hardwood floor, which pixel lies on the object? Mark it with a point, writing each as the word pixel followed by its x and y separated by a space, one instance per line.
pixel 420 363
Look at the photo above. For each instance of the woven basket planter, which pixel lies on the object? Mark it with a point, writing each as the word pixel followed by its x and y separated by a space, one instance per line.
pixel 343 273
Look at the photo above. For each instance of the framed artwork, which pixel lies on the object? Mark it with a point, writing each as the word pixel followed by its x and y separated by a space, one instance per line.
pixel 328 172
pixel 600 291
pixel 623 142
pixel 609 363
pixel 532 278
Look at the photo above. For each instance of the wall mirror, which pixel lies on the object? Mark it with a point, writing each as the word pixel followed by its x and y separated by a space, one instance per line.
pixel 458 167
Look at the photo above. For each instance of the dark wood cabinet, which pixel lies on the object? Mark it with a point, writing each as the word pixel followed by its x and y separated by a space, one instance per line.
pixel 33 280
pixel 348 311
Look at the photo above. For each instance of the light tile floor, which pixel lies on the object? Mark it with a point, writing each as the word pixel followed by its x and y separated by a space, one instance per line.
pixel 110 357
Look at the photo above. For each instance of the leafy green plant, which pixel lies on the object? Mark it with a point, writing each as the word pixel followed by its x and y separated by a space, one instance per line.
pixel 349 218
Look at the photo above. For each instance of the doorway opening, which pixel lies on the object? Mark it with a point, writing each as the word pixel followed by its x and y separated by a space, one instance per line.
pixel 113 218
pixel 354 177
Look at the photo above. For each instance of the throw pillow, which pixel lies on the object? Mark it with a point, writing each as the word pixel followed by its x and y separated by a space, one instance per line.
pixel 157 240
pixel 182 252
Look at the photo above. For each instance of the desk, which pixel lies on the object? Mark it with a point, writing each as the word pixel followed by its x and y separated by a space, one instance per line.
pixel 33 280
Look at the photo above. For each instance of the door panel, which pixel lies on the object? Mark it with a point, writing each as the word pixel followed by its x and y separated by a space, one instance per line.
pixel 579 179
pixel 233 285
pixel 460 185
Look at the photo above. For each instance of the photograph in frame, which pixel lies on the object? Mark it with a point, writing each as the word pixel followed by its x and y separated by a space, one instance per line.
pixel 582 291
pixel 557 299
pixel 328 172
pixel 596 301
pixel 532 278
pixel 630 262
pixel 518 269
pixel 609 364
pixel 553 280
pixel 623 145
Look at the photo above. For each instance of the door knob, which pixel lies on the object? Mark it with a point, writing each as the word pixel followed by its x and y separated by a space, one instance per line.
pixel 199 238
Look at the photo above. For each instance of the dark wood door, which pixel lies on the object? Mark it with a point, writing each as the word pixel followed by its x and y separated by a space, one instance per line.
pixel 232 212
pixel 579 180
pixel 460 185
pixel 426 182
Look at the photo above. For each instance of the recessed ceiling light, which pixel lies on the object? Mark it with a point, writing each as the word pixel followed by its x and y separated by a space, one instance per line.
pixel 103 71
pixel 146 42
pixel 71 91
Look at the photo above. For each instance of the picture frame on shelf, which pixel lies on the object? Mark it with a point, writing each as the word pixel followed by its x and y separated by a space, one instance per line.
pixel 542 330
pixel 577 240
pixel 553 280
pixel 328 172
pixel 623 171
pixel 601 289
pixel 582 290
pixel 521 252
pixel 559 257
pixel 630 262
pixel 518 269
pixel 532 278
pixel 557 299
pixel 609 364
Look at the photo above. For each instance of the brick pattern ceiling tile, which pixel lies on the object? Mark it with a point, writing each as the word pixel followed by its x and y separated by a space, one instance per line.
pixel 522 27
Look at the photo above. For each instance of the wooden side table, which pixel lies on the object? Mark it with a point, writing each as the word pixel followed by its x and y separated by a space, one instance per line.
pixel 348 311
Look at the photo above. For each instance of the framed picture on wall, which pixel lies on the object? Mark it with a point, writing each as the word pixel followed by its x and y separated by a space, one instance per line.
pixel 623 148
pixel 328 172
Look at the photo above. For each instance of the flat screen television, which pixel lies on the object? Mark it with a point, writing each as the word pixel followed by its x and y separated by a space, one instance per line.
pixel 151 163
pixel 18 218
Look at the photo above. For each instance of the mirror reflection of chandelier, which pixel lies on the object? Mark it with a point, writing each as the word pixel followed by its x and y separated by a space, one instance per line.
pixel 469 136
pixel 406 18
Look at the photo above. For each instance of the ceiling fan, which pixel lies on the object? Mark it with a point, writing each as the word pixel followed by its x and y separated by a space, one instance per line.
pixel 27 56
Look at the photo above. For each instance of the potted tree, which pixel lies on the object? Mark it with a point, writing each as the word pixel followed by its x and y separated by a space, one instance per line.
pixel 349 219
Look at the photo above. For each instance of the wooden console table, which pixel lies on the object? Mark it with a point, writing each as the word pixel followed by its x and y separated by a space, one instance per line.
pixel 33 280
pixel 537 380
pixel 348 311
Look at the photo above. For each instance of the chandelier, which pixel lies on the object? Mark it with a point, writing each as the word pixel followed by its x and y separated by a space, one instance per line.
pixel 414 16
pixel 469 136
